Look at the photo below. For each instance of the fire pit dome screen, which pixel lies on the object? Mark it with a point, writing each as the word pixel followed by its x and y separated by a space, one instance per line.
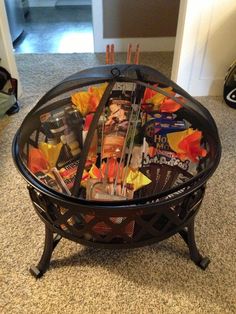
pixel 117 156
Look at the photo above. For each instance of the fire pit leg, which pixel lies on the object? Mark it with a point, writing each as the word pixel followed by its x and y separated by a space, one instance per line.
pixel 189 237
pixel 49 246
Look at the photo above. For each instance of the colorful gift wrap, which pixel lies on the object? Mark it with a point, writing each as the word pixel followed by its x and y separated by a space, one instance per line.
pixel 109 170
pixel 169 105
pixel 159 101
pixel 158 98
pixel 37 161
pixel 87 101
pixel 137 179
pixel 187 144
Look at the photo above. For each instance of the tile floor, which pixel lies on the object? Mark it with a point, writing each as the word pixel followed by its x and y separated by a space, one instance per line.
pixel 63 29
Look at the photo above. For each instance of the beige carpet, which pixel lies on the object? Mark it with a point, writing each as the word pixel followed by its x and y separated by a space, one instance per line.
pixel 155 279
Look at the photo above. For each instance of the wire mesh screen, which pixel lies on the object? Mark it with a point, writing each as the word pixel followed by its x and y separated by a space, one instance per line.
pixel 111 134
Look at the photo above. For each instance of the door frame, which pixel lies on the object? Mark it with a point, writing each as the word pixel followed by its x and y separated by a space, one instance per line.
pixel 186 52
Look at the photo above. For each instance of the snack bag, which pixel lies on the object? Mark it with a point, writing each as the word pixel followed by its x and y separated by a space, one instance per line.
pixel 49 180
pixel 68 173
pixel 164 169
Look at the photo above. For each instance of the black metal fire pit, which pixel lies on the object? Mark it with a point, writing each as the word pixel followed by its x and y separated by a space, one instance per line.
pixel 117 157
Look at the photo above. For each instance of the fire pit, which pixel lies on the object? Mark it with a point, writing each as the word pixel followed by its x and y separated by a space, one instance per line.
pixel 117 156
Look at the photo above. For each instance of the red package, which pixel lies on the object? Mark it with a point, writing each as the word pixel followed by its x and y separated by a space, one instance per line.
pixel 36 161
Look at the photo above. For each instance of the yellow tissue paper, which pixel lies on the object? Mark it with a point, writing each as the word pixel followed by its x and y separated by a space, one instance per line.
pixel 158 97
pixel 176 137
pixel 137 178
pixel 87 101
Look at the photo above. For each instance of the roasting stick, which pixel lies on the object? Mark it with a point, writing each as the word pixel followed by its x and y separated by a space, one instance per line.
pixel 129 52
pixel 110 59
pixel 131 146
pixel 103 122
pixel 128 60
pixel 108 54
pixel 112 54
pixel 137 52
pixel 102 139
pixel 123 150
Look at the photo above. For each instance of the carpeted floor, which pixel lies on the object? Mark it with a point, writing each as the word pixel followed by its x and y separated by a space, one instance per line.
pixel 155 279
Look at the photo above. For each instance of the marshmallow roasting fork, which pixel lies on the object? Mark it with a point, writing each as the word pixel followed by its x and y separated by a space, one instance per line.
pixel 134 116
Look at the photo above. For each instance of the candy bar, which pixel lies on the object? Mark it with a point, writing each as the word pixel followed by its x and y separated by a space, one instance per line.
pixel 49 180
pixel 68 175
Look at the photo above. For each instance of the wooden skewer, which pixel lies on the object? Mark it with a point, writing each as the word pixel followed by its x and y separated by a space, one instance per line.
pixel 131 145
pixel 136 57
pixel 108 54
pixel 112 55
pixel 129 52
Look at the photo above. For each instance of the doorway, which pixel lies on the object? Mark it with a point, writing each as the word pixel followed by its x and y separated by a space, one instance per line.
pixel 59 26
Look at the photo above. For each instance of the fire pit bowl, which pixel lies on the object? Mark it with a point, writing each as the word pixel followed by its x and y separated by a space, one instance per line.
pixel 117 156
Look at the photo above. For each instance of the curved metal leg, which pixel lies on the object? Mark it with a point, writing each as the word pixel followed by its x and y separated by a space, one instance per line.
pixel 189 237
pixel 49 245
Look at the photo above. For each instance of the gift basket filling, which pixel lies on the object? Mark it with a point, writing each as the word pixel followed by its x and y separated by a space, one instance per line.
pixel 117 155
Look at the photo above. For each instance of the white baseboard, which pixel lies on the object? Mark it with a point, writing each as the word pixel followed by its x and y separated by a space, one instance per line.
pixel 42 3
pixel 53 3
pixel 146 44
pixel 74 2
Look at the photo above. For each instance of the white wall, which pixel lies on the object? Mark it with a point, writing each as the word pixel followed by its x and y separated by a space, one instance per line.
pixel 6 49
pixel 205 45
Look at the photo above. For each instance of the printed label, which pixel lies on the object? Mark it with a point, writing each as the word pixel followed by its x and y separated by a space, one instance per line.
pixel 165 160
